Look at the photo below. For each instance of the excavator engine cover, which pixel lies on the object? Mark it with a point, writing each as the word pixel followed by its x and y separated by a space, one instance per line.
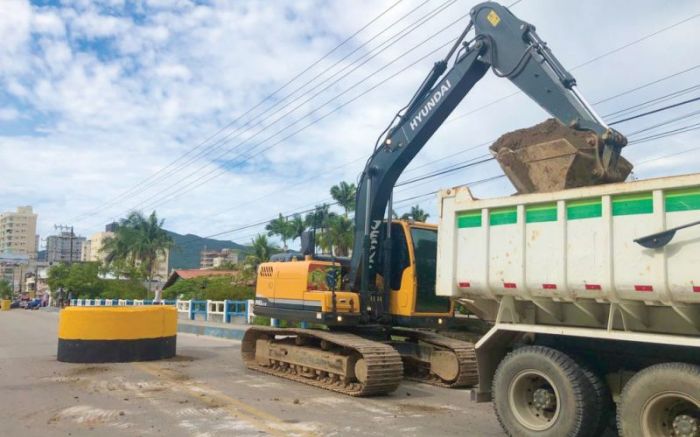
pixel 550 157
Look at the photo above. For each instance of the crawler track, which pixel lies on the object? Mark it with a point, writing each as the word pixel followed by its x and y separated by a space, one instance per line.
pixel 384 368
pixel 468 375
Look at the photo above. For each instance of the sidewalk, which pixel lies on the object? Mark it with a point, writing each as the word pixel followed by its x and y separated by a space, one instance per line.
pixel 232 331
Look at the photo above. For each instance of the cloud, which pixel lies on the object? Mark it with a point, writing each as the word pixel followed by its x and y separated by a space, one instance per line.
pixel 9 114
pixel 99 95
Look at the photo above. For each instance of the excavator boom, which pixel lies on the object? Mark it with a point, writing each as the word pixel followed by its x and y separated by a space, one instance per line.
pixel 512 49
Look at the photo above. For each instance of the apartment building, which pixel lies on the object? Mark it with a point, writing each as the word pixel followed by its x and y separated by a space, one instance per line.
pixel 214 258
pixel 18 232
pixel 64 247
pixel 92 247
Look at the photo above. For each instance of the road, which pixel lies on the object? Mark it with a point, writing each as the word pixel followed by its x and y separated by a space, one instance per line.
pixel 204 391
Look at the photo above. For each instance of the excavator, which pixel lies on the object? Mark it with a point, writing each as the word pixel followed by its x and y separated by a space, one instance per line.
pixel 376 315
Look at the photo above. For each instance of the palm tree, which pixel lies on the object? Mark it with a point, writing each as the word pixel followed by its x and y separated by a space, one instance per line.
pixel 262 249
pixel 298 227
pixel 138 240
pixel 318 220
pixel 339 234
pixel 344 194
pixel 282 227
pixel 416 214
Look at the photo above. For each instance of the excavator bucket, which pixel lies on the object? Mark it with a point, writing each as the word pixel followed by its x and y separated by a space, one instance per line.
pixel 550 157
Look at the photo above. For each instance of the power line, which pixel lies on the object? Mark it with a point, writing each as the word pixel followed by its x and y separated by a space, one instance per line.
pixel 257 153
pixel 583 64
pixel 665 123
pixel 474 161
pixel 643 38
pixel 442 172
pixel 419 22
pixel 654 101
pixel 259 120
pixel 684 129
pixel 629 44
pixel 665 108
pixel 658 158
pixel 267 98
pixel 645 85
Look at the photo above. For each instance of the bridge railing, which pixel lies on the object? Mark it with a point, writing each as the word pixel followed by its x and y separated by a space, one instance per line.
pixel 224 311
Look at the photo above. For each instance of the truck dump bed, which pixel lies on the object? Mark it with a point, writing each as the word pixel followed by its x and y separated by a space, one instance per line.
pixel 576 247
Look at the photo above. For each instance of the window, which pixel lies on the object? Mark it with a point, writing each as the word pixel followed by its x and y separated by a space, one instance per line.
pixel 425 251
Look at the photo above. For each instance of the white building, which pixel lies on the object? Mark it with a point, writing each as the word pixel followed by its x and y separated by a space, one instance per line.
pixel 18 232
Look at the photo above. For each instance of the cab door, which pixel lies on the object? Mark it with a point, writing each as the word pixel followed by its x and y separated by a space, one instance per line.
pixel 424 255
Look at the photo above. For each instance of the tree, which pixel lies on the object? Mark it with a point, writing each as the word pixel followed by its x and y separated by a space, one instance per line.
pixel 84 282
pixel 262 250
pixel 210 287
pixel 344 194
pixel 416 214
pixel 58 276
pixel 319 219
pixel 297 225
pixel 138 241
pixel 340 234
pixel 281 227
pixel 5 290
pixel 81 279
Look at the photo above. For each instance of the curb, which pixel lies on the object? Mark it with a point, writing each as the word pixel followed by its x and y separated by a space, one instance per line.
pixel 228 332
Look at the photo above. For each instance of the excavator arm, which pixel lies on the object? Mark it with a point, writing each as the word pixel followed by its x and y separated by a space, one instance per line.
pixel 512 49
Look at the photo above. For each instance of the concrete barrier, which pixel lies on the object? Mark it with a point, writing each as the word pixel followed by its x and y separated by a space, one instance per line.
pixel 116 334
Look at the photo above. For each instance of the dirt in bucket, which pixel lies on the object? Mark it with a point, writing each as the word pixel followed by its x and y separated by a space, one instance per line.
pixel 550 156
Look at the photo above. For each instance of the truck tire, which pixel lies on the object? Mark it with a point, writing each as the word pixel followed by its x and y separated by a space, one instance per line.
pixel 541 392
pixel 661 400
pixel 603 406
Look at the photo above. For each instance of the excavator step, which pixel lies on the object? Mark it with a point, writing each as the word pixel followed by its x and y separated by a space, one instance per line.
pixel 550 157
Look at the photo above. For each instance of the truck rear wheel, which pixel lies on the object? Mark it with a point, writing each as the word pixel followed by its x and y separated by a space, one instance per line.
pixel 661 400
pixel 539 391
pixel 602 402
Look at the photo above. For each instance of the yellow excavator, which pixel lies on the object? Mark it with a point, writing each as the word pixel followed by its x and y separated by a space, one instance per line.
pixel 379 307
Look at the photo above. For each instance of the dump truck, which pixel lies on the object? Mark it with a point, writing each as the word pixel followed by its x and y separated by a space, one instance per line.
pixel 594 295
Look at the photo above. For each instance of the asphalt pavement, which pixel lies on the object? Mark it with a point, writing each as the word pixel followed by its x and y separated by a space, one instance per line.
pixel 205 391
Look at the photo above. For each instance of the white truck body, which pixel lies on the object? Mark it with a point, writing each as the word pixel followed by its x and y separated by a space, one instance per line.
pixel 572 254
pixel 563 268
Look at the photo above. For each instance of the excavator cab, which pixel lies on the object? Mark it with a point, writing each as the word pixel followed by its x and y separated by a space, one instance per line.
pixel 312 289
pixel 412 273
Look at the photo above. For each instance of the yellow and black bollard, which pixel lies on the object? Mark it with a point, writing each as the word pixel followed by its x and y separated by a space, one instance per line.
pixel 116 334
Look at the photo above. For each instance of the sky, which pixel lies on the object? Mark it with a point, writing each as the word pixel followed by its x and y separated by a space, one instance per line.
pixel 186 107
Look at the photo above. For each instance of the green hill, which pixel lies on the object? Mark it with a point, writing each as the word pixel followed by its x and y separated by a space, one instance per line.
pixel 185 254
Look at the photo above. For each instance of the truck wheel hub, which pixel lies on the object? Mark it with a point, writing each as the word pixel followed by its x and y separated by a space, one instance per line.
pixel 685 426
pixel 543 399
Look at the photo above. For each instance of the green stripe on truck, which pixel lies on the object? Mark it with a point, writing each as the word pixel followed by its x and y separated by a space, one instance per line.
pixel 503 216
pixel 469 220
pixel 687 199
pixel 583 209
pixel 628 204
pixel 546 212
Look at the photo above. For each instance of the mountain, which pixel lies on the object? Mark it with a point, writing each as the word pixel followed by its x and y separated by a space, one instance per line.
pixel 185 254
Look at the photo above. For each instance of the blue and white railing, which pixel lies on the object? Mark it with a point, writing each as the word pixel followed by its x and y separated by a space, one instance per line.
pixel 224 311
